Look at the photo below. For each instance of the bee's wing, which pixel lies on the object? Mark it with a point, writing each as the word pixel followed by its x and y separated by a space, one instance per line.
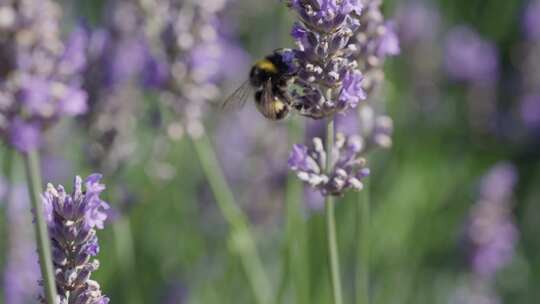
pixel 239 96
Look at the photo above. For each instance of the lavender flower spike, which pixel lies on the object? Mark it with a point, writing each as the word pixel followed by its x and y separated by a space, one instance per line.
pixel 372 43
pixel 346 172
pixel 72 220
pixel 328 77
pixel 492 232
pixel 38 82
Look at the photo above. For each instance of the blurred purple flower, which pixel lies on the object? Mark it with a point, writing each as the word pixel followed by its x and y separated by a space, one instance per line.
pixel 40 81
pixel 491 231
pixel 74 58
pixel 21 272
pixel 372 42
pixel 189 58
pixel 530 111
pixel 531 20
pixel 118 61
pixel 24 136
pixel 417 22
pixel 389 42
pixel 469 57
pixel 72 220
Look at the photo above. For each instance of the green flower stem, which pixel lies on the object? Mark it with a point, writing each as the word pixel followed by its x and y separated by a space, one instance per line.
pixel 296 231
pixel 7 169
pixel 33 177
pixel 241 237
pixel 125 256
pixel 362 242
pixel 284 275
pixel 333 254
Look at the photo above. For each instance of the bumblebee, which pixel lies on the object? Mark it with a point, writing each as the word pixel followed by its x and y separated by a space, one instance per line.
pixel 269 80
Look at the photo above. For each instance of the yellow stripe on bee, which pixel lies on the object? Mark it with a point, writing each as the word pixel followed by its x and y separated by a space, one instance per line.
pixel 266 65
pixel 279 106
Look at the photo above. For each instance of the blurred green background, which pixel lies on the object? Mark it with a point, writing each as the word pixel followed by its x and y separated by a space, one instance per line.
pixel 170 243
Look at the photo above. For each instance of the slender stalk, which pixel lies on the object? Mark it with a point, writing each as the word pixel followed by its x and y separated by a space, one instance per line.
pixel 285 275
pixel 333 254
pixel 241 236
pixel 362 242
pixel 7 168
pixel 33 177
pixel 296 230
pixel 125 255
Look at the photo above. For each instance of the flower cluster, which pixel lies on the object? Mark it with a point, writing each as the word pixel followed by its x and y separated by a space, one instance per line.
pixel 329 79
pixel 491 232
pixel 72 220
pixel 346 171
pixel 342 45
pixel 372 42
pixel 38 72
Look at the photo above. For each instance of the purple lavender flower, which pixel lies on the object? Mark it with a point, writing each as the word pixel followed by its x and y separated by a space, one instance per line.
pixel 341 48
pixel 72 220
pixel 531 20
pixel 187 60
pixel 491 230
pixel 329 78
pixel 346 172
pixel 39 81
pixel 469 57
